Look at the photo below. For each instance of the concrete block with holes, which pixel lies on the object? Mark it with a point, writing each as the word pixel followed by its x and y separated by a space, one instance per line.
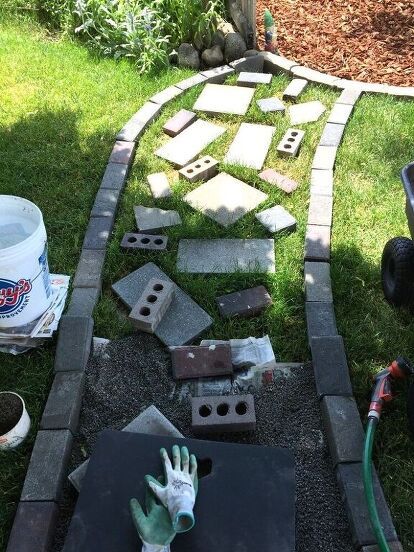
pixel 290 143
pixel 203 169
pixel 152 305
pixel 223 414
pixel 133 240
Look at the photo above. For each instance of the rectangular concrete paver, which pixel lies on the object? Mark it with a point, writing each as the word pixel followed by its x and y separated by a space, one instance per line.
pixel 322 182
pixel 190 362
pixel 221 414
pixel 320 210
pixel 152 219
pixel 349 96
pixel 217 98
pixel 136 126
pixel 122 152
pixel 318 282
pixel 106 203
pixel 182 323
pixel 251 80
pixel 186 146
pixel 179 122
pixel 281 181
pixel 320 319
pixel 166 95
pixel 393 546
pixel 318 243
pixel 294 89
pixel 330 366
pixel 324 157
pixel 64 401
pixel 225 199
pixel 250 145
pixel 89 271
pixel 277 219
pixel 244 304
pixel 151 307
pixel 218 75
pixel 74 343
pixel 306 112
pixel 159 185
pixel 226 256
pixel 332 134
pixel 83 301
pixel 269 105
pixel 115 176
pixel 340 114
pixel 33 527
pixel 98 232
pixel 191 81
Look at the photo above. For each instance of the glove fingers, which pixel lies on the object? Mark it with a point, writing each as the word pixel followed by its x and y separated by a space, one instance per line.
pixel 167 464
pixel 150 501
pixel 185 459
pixel 159 491
pixel 176 456
pixel 138 515
pixel 193 466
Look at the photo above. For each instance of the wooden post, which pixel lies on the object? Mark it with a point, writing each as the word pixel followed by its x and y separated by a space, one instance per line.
pixel 248 7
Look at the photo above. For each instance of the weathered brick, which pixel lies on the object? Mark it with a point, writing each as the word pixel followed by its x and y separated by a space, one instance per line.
pixel 89 270
pixel 122 152
pixel 330 366
pixel 245 304
pixel 318 282
pixel 201 361
pixel 318 243
pixel 33 527
pixel 223 414
pixel 64 402
pixel 152 305
pixel 179 122
pixel 98 232
pixel 74 343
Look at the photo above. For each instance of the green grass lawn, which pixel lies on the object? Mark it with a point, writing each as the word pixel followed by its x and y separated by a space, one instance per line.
pixel 60 111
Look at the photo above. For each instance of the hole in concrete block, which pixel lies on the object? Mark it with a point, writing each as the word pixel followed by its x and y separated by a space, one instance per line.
pixel 223 409
pixel 291 139
pixel 288 146
pixel 294 133
pixel 204 467
pixel 205 410
pixel 145 311
pixel 145 240
pixel 158 241
pixel 241 408
pixel 132 239
pixel 190 170
pixel 198 166
pixel 158 287
pixel 207 161
pixel 151 298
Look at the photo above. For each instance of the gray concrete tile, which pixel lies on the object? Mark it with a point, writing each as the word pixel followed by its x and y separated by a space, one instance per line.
pixel 320 319
pixel 122 152
pixel 320 210
pixel 322 182
pixel 252 64
pixel 139 122
pixel 325 157
pixel 64 402
pixel 349 96
pixel 313 75
pixel 217 98
pixel 106 203
pixel 294 89
pixel 318 282
pixel 159 185
pixel 98 232
pixel 191 81
pixel 166 95
pixel 308 112
pixel 152 219
pixel 218 75
pixel 340 114
pixel 33 527
pixel 270 105
pixel 250 145
pixel 83 301
pixel 251 80
pixel 89 270
pixel 318 243
pixel 330 366
pixel 332 135
pixel 74 343
pixel 277 219
pixel 115 176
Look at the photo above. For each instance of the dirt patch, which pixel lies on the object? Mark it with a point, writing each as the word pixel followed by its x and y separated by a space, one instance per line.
pixel 370 40
pixel 11 409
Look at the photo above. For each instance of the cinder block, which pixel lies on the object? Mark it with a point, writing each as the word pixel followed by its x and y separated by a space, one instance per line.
pixel 322 182
pixel 98 232
pixel 152 305
pixel 64 402
pixel 83 301
pixel 217 75
pixel 33 527
pixel 203 169
pixel 223 414
pixel 318 282
pixel 144 241
pixel 106 203
pixel 352 490
pixel 47 467
pixel 201 361
pixel 122 152
pixel 320 210
pixel 251 79
pixel 294 89
pixel 159 185
pixel 343 428
pixel 320 319
pixel 330 366
pixel 74 343
pixel 318 243
pixel 115 176
pixel 245 304
pixel 179 122
pixel 290 143
pixel 89 270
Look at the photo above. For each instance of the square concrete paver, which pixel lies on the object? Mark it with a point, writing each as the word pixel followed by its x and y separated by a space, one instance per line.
pixel 250 145
pixel 277 219
pixel 332 134
pixel 185 147
pixel 283 182
pixel 226 256
pixel 225 199
pixel 306 112
pixel 251 80
pixel 221 98
pixel 159 185
pixel 268 105
pixel 151 219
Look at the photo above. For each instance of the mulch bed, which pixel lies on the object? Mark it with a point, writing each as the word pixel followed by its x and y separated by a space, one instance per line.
pixel 368 40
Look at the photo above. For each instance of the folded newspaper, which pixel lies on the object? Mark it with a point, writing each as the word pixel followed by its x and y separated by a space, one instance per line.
pixel 23 338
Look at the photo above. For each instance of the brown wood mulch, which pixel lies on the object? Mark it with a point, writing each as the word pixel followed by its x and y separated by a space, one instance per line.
pixel 368 40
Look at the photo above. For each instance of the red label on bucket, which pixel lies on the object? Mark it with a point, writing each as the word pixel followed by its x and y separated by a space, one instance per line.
pixel 13 296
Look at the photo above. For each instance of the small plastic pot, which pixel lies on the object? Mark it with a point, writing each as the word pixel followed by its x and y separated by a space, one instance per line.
pixel 17 432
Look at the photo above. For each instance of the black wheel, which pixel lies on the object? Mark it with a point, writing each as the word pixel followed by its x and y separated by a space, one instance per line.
pixel 397 271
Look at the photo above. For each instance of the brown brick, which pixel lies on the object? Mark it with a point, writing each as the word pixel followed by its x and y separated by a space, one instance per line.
pixel 198 362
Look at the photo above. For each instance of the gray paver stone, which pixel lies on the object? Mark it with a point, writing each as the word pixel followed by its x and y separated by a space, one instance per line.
pixel 343 428
pixel 308 112
pixel 276 64
pixel 394 547
pixel 159 185
pixel 250 145
pixel 166 95
pixel 50 456
pixel 322 182
pixel 352 490
pixel 115 176
pixel 33 527
pixel 324 157
pixel 216 99
pixel 64 402
pixel 218 75
pixel 89 270
pixel 320 319
pixel 251 80
pixel 179 122
pixel 291 142
pixel 277 219
pixel 152 305
pixel 318 282
pixel 223 413
pixel 191 81
pixel 183 322
pixel 320 210
pixel 106 203
pixel 244 304
pixel 226 256
pixel 318 243
pixel 269 105
pixel 190 362
pixel 330 366
pixel 282 182
pixel 122 152
pixel 332 135
pixel 294 89
pixel 340 114
pixel 313 75
pixel 152 219
pixel 252 64
pixel 74 343
pixel 144 241
pixel 203 169
pixel 83 301
pixel 98 232
pixel 138 123
pixel 349 96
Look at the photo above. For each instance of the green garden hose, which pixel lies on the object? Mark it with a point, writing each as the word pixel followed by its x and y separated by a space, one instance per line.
pixel 369 487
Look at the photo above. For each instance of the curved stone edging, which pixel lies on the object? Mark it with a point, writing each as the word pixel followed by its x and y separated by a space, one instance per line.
pixel 35 520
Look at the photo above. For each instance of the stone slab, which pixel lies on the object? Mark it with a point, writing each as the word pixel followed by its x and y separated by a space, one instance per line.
pixel 64 402
pixel 183 322
pixel 159 185
pixel 216 99
pixel 294 89
pixel 350 482
pixel 270 105
pixel 139 122
pixel 122 152
pixel 115 176
pixel 133 240
pixel 179 122
pixel 226 256
pixel 244 304
pixel 349 96
pixel 313 75
pixel 106 203
pixel 320 210
pixel 152 219
pixel 250 145
pixel 46 471
pixel 89 270
pixel 325 157
pixel 330 366
pixel 394 547
pixel 320 319
pixel 282 182
pixel 277 219
pixel 308 112
pixel 318 243
pixel 343 428
pixel 251 80
pixel 166 95
pixel 151 307
pixel 322 182
pixel 83 301
pixel 151 422
pixel 225 199
pixel 332 135
pixel 186 146
pixel 203 169
pixel 217 75
pixel 185 84
pixel 291 142
pixel 98 232
pixel 252 64
pixel 318 282
pixel 33 527
pixel 340 114
pixel 223 414
pixel 74 343
pixel 189 362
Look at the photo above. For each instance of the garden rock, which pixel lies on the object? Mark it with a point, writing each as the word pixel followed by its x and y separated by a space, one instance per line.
pixel 188 56
pixel 213 57
pixel 235 47
pixel 218 39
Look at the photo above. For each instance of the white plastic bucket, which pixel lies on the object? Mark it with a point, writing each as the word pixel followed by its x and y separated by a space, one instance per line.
pixel 18 433
pixel 25 291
